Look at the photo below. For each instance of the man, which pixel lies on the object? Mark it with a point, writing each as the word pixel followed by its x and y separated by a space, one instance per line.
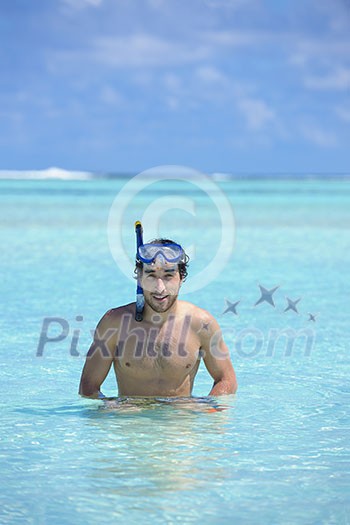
pixel 159 355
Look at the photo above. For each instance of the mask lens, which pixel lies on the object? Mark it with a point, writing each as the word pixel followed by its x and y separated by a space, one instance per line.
pixel 171 252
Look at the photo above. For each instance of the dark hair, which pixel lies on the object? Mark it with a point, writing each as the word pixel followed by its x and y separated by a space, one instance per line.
pixel 182 266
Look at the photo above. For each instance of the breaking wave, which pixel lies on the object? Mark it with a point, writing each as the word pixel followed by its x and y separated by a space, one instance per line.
pixel 49 173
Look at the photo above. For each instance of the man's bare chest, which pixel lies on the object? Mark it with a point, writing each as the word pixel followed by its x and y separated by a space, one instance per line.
pixel 174 346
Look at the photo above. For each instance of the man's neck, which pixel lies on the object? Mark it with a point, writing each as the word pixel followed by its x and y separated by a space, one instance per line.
pixel 153 317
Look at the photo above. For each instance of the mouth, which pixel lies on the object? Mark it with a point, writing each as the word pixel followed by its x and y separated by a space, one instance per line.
pixel 160 298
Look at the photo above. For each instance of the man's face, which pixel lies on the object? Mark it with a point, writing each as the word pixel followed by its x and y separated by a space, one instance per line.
pixel 161 284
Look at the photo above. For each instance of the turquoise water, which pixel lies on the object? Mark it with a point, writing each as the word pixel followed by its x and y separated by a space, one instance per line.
pixel 278 453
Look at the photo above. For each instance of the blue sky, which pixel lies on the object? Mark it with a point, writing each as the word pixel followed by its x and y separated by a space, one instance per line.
pixel 217 85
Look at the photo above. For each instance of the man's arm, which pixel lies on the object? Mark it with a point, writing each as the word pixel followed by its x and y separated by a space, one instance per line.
pixel 217 360
pixel 99 358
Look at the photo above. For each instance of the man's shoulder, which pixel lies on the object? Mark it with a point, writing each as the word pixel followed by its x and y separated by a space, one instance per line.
pixel 197 313
pixel 115 314
pixel 203 323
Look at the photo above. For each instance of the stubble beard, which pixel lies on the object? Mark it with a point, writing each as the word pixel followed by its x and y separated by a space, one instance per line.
pixel 161 307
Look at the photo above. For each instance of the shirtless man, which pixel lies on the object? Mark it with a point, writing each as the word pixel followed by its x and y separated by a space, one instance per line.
pixel 159 355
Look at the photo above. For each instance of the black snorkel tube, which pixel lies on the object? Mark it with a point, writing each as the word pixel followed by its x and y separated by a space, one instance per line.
pixel 140 300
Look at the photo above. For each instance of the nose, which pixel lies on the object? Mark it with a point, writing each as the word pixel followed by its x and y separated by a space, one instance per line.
pixel 160 286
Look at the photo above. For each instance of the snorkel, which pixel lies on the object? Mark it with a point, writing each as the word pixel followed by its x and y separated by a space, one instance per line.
pixel 140 300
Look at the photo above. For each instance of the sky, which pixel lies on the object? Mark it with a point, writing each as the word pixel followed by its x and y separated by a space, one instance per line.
pixel 232 86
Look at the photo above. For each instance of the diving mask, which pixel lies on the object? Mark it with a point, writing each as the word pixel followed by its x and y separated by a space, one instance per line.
pixel 172 252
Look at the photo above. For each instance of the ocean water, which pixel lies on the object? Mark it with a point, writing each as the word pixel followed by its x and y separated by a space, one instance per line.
pixel 277 453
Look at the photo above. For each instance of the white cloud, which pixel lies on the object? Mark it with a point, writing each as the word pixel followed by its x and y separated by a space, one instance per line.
pixel 210 75
pixel 172 82
pixel 156 4
pixel 235 38
pixel 200 86
pixel 77 5
pixel 256 112
pixel 172 103
pixel 138 50
pixel 338 80
pixel 343 113
pixel 111 96
pixel 143 50
pixel 214 87
pixel 230 4
pixel 312 52
pixel 318 136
